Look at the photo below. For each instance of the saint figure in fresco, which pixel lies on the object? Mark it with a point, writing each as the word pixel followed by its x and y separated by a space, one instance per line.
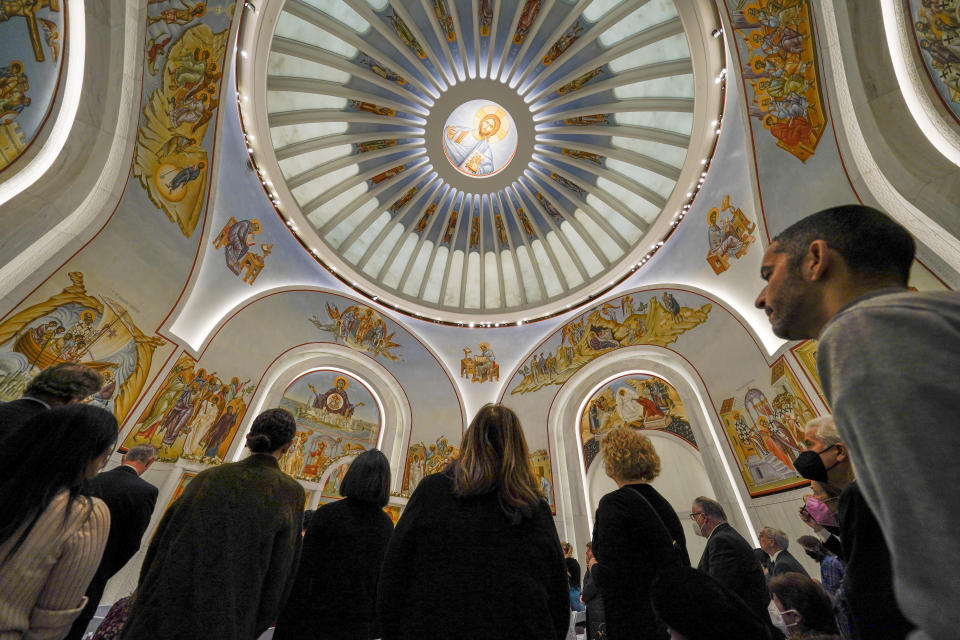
pixel 469 148
pixel 334 400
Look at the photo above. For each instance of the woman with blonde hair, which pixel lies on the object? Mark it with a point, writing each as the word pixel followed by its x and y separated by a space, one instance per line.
pixel 636 534
pixel 475 553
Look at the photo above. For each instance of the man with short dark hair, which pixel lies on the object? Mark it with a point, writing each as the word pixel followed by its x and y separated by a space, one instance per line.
pixel 840 276
pixel 831 567
pixel 131 500
pixel 54 386
pixel 774 543
pixel 728 558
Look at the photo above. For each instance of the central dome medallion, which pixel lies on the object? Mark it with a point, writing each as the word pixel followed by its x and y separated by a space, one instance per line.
pixel 479 138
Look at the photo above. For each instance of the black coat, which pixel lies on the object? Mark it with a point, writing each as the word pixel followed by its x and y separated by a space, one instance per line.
pixel 786 563
pixel 457 568
pixel 335 592
pixel 729 560
pixel 593 602
pixel 222 560
pixel 131 501
pixel 631 547
pixel 16 412
pixel 868 580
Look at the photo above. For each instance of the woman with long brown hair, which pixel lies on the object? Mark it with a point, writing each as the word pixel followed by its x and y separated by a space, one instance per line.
pixel 475 553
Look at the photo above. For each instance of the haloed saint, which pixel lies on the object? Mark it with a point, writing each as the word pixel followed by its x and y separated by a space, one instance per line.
pixel 479 138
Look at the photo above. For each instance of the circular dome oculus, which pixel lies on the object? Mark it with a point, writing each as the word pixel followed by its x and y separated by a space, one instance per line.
pixel 479 138
pixel 467 160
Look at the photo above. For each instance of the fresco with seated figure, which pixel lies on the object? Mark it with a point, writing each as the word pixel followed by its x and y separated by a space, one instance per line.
pixel 337 416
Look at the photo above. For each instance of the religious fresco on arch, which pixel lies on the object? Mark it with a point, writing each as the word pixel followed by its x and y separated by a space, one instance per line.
pixel 425 459
pixel 32 36
pixel 806 353
pixel 361 328
pixel 171 162
pixel 336 415
pixel 193 415
pixel 936 27
pixel 779 63
pixel 543 471
pixel 764 425
pixel 237 239
pixel 74 325
pixel 635 401
pixel 728 235
pixel 621 322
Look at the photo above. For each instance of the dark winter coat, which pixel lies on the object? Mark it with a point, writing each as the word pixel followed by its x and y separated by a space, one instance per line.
pixel 457 568
pixel 335 592
pixel 222 560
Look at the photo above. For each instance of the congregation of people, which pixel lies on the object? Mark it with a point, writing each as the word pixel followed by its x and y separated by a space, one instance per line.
pixel 476 552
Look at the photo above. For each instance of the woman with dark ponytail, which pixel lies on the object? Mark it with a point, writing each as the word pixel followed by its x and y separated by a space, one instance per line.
pixel 223 558
pixel 51 537
pixel 475 553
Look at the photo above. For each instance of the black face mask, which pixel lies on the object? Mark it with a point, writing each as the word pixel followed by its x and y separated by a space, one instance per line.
pixel 810 465
pixel 818 557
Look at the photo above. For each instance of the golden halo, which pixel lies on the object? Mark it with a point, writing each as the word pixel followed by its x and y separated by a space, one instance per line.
pixel 346 383
pixel 502 116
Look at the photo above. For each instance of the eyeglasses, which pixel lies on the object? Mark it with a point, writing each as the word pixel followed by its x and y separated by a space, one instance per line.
pixel 693 516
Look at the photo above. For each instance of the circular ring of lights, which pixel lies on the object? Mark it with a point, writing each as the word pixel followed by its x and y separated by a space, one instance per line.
pixel 381 131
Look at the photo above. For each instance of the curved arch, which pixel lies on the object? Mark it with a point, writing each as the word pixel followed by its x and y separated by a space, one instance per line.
pixel 395 410
pixel 563 430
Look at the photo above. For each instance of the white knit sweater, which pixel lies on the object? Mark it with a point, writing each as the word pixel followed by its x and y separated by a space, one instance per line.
pixel 42 584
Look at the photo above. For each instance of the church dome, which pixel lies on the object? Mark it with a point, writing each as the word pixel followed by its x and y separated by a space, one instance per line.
pixel 480 160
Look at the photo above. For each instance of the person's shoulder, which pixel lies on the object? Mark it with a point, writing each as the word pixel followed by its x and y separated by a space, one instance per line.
pixel 903 304
pixel 436 483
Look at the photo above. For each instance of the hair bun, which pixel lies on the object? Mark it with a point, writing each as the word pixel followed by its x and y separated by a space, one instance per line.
pixel 258 442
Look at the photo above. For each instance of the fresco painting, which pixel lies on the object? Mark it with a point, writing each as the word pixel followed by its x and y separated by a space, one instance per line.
pixel 540 463
pixel 424 459
pixel 238 242
pixel 171 163
pixel 621 322
pixel 75 326
pixel 394 511
pixel 193 415
pixel 806 353
pixel 480 138
pixel 361 328
pixel 765 427
pixel 635 401
pixel 937 31
pixel 480 366
pixel 184 481
pixel 32 36
pixel 780 65
pixel 336 415
pixel 728 235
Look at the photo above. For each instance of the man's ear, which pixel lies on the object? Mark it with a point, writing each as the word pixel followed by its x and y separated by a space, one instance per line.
pixel 818 260
pixel 842 454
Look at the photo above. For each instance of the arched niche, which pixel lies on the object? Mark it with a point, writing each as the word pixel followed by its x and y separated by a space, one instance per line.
pixel 394 406
pixel 575 502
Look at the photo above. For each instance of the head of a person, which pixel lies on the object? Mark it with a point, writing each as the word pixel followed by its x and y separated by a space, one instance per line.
pixel 589 552
pixel 567 549
pixel 64 383
pixel 706 514
pixel 773 540
pixel 829 258
pixel 803 603
pixel 140 457
pixel 813 547
pixel 697 607
pixel 272 432
pixel 55 450
pixel 826 458
pixel 494 457
pixel 629 456
pixel 368 478
pixel 489 125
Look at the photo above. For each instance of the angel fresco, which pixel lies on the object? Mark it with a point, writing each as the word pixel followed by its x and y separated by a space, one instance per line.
pixel 406 35
pixel 175 175
pixel 569 184
pixel 184 16
pixel 527 16
pixel 73 326
pixel 572 35
pixel 444 19
pixel 361 328
pixel 381 70
pixel 425 218
pixel 579 81
pixel 485 17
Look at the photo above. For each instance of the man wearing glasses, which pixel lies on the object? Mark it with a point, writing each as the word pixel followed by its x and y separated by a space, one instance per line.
pixel 728 558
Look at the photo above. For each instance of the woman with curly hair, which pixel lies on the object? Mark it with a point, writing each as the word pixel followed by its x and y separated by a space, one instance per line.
pixel 475 553
pixel 636 534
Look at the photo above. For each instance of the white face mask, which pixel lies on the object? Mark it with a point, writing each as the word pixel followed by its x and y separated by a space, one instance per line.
pixel 696 529
pixel 788 615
